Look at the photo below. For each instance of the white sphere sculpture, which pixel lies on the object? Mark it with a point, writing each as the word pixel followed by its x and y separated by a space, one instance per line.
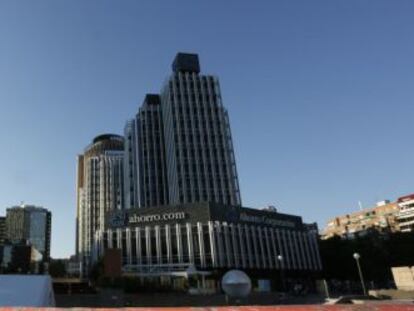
pixel 236 284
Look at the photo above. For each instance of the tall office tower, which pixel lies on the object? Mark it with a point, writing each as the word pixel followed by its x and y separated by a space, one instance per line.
pixel 153 189
pixel 199 152
pixel 131 197
pixel 30 224
pixel 2 229
pixel 100 183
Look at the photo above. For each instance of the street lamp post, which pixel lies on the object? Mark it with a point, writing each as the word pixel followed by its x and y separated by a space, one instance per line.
pixel 356 257
pixel 281 267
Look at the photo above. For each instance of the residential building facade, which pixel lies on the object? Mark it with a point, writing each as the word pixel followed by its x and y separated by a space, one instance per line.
pixel 381 218
pixel 405 216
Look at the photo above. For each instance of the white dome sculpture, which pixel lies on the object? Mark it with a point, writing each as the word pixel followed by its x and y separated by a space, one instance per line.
pixel 236 284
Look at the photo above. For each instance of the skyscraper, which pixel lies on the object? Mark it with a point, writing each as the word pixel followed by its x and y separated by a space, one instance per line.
pixel 182 142
pixel 31 225
pixel 2 229
pixel 177 150
pixel 199 149
pixel 145 156
pixel 131 182
pixel 100 189
pixel 150 146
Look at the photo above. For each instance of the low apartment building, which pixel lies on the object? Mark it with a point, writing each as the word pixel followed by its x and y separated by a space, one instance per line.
pixel 381 218
pixel 405 216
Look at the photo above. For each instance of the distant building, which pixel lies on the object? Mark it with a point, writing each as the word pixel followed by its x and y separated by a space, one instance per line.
pixel 100 180
pixel 31 225
pixel 311 228
pixel 20 258
pixel 73 268
pixel 381 218
pixel 405 216
pixel 16 231
pixel 270 208
pixel 2 229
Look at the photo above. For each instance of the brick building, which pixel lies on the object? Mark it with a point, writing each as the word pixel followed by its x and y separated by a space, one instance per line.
pixel 381 218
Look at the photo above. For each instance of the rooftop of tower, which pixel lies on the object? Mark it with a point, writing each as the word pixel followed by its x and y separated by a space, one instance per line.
pixel 186 62
pixel 152 99
pixel 106 137
pixel 104 142
pixel 27 207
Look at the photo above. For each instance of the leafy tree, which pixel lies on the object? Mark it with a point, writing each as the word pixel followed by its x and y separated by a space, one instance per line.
pixel 379 252
pixel 57 268
pixel 97 271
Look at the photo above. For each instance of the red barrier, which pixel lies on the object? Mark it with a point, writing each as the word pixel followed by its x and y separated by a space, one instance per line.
pixel 362 307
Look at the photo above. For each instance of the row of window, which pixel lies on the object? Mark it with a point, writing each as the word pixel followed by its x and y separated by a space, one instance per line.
pixel 192 84
pixel 230 248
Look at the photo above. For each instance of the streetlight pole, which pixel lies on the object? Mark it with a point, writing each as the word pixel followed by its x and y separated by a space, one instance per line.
pixel 281 267
pixel 356 257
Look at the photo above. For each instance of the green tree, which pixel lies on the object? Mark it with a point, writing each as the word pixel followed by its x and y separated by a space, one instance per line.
pixel 97 271
pixel 57 268
pixel 379 252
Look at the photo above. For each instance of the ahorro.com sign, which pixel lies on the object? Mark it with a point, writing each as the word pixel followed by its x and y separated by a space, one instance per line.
pixel 138 219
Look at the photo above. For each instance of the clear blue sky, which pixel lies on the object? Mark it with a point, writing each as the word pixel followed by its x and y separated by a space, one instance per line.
pixel 320 94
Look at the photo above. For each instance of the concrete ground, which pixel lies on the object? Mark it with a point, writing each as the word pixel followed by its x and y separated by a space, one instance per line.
pixel 115 298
